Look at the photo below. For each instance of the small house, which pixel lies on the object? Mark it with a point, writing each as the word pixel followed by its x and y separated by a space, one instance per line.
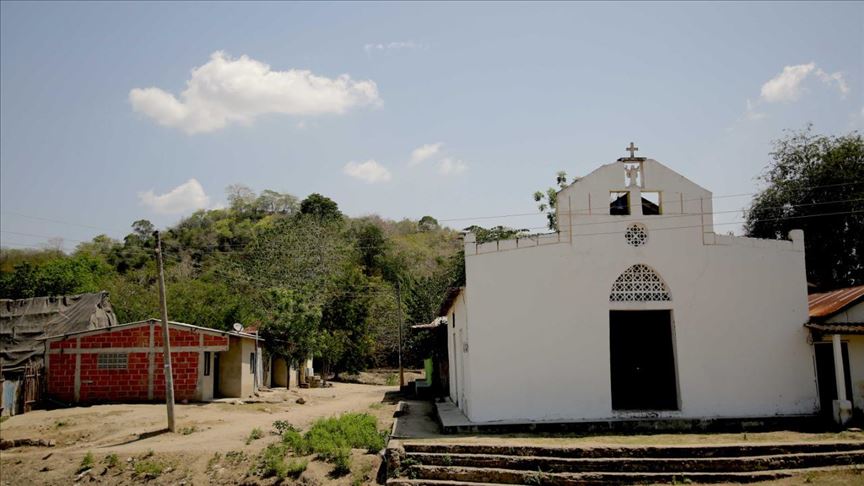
pixel 124 363
pixel 837 331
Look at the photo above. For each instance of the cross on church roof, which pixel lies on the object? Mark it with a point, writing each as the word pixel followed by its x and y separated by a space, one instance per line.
pixel 632 149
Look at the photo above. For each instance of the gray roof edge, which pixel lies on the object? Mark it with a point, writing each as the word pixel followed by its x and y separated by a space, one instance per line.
pixel 146 321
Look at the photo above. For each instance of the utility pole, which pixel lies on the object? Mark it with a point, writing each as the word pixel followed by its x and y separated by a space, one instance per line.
pixel 399 307
pixel 166 342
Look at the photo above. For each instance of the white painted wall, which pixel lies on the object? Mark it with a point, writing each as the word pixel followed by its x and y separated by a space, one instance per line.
pixel 459 364
pixel 539 316
pixel 856 369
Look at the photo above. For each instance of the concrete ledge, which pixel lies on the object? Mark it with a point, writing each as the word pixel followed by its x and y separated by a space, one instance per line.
pixel 453 421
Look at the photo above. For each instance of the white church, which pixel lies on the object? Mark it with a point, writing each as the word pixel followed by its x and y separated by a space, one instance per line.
pixel 634 309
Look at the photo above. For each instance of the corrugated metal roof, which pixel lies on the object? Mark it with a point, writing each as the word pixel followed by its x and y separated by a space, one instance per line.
pixel 174 324
pixel 838 327
pixel 438 321
pixel 826 304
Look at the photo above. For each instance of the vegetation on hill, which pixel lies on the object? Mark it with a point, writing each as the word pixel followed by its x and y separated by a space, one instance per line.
pixel 311 278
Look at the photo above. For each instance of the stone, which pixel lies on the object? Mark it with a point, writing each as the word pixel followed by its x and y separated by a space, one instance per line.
pixel 301 401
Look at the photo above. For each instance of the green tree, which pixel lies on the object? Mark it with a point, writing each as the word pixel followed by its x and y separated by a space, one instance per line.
pixel 427 223
pixel 485 235
pixel 289 324
pixel 345 323
pixel 321 207
pixel 548 201
pixel 816 183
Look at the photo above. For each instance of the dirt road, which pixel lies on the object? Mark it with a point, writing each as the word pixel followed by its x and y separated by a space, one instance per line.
pixel 136 433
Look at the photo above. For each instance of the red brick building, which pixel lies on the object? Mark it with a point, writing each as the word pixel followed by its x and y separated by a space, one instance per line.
pixel 124 363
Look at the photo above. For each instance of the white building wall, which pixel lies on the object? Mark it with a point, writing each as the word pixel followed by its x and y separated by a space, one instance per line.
pixel 856 369
pixel 459 360
pixel 539 317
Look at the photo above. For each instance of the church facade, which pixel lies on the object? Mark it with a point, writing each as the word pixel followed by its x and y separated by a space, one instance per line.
pixel 634 309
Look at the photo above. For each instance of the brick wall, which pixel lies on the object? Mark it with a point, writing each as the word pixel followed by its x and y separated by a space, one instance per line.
pixel 184 367
pixel 130 384
pixel 61 373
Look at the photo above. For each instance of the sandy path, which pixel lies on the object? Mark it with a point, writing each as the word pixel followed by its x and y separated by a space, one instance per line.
pixel 217 426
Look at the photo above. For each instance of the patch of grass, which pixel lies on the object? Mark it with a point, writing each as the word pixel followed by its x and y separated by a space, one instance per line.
pixel 188 430
pixel 392 379
pixel 148 469
pixel 333 438
pixel 271 462
pixel 351 430
pixel 86 463
pixel 111 460
pixel 376 405
pixel 3 418
pixel 254 435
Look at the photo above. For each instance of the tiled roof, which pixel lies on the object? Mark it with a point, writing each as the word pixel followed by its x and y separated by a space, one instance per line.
pixel 837 327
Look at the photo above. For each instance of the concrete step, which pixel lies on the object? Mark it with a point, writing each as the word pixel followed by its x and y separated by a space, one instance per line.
pixel 640 464
pixel 730 450
pixel 510 476
pixel 432 482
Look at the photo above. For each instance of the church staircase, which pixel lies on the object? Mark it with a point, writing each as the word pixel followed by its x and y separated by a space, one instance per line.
pixel 428 463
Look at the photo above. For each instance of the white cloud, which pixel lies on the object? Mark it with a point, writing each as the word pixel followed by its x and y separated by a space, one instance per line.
pixel 227 90
pixel 448 166
pixel 188 196
pixel 424 152
pixel 788 85
pixel 369 171
pixel 392 46
pixel 834 78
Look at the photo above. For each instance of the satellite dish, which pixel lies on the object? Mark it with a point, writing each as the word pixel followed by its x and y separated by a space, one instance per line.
pixel 238 327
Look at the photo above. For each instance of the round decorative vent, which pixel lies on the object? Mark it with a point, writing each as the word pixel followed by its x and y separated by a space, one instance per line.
pixel 636 235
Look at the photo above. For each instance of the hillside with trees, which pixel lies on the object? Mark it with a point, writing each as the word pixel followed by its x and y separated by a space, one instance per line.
pixel 308 276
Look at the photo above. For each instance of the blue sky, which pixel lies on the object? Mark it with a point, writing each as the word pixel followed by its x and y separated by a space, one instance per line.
pixel 102 117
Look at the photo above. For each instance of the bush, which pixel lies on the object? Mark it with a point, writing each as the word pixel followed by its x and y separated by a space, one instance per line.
pixel 148 469
pixel 341 461
pixel 271 462
pixel 351 430
pixel 86 463
pixel 254 435
pixel 111 460
pixel 283 426
pixel 294 441
pixel 333 438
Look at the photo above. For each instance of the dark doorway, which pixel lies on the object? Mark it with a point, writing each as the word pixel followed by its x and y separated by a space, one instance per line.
pixel 825 376
pixel 642 360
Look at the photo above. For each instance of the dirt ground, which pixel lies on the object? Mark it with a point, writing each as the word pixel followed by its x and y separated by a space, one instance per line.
pixel 211 444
